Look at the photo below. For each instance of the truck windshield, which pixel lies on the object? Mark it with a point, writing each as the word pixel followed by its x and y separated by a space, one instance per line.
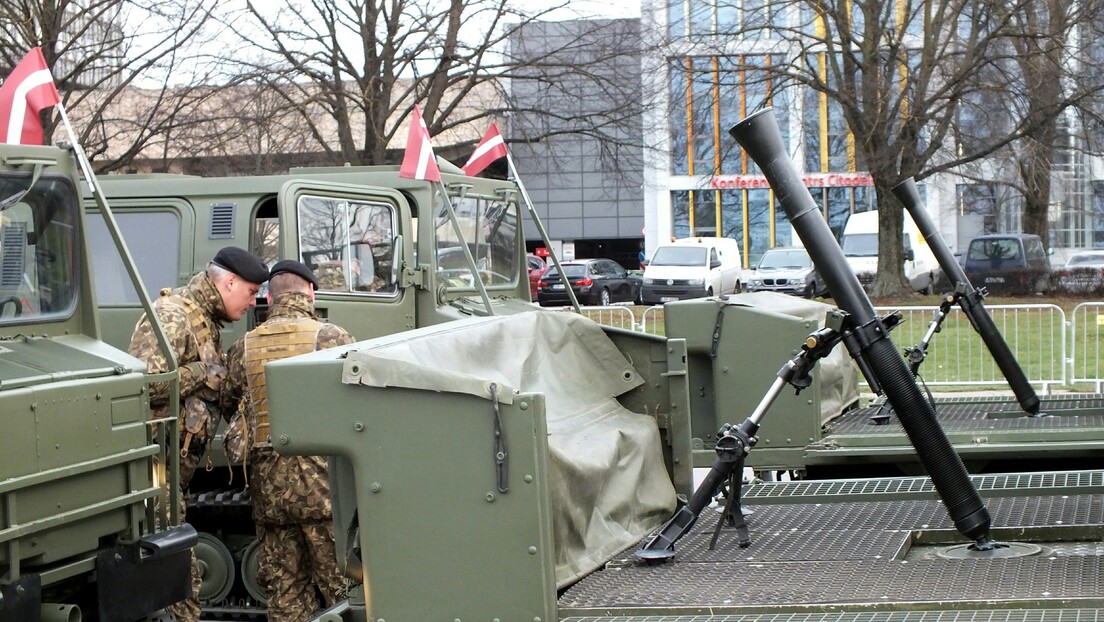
pixel 39 275
pixel 860 244
pixel 490 229
pixel 679 256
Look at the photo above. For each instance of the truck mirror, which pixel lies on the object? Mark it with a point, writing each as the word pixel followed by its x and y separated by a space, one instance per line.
pixel 910 255
pixel 716 263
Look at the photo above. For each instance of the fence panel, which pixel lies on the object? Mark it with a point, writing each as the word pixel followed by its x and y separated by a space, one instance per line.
pixel 651 321
pixel 1087 343
pixel 620 317
pixel 1035 333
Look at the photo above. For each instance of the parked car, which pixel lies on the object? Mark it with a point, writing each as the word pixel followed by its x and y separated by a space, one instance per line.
pixel 1083 273
pixel 787 269
pixel 536 269
pixel 595 281
pixel 1008 263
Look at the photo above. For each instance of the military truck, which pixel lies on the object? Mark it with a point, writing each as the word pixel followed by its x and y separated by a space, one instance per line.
pixel 85 510
pixel 389 257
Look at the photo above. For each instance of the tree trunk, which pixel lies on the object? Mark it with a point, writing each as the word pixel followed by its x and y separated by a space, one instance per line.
pixel 890 280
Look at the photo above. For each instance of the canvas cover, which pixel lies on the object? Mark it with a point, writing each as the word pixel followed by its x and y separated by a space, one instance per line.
pixel 839 377
pixel 610 487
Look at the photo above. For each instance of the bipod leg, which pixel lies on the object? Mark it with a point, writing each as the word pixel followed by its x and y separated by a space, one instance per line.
pixel 733 513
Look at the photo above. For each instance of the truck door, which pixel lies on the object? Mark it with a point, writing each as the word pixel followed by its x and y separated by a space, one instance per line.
pixel 356 239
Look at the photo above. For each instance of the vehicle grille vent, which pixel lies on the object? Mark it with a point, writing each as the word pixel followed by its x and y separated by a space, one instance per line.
pixel 222 221
pixel 14 239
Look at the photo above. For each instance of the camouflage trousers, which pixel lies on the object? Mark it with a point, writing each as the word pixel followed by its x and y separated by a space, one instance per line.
pixel 188 610
pixel 296 565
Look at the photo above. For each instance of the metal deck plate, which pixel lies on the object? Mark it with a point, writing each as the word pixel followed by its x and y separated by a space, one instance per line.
pixel 986 414
pixel 864 556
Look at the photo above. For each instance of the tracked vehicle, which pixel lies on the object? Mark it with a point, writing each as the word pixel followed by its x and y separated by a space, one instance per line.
pixel 547 477
pixel 85 512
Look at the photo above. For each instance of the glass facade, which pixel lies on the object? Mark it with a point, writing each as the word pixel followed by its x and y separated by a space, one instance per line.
pixel 711 88
pixel 709 94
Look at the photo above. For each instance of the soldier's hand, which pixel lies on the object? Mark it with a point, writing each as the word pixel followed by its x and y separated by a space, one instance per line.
pixel 215 375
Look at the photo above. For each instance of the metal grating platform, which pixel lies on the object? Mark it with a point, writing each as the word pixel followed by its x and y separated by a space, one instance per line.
pixel 866 558
pixel 990 413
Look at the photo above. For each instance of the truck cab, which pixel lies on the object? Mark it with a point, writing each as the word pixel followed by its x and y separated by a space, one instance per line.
pixel 85 473
pixel 384 249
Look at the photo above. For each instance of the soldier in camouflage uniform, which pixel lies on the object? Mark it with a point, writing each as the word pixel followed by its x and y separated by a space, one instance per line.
pixel 191 317
pixel 291 494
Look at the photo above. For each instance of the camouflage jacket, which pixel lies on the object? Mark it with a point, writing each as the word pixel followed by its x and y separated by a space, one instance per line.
pixel 194 349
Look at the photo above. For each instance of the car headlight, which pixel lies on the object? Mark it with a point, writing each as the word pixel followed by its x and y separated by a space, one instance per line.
pixel 696 282
pixel 756 282
pixel 649 281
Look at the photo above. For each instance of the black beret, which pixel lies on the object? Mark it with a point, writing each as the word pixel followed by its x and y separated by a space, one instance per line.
pixel 296 268
pixel 241 263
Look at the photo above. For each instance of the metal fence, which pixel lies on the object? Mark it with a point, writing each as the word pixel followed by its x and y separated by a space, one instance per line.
pixel 1035 333
pixel 1051 350
pixel 1086 360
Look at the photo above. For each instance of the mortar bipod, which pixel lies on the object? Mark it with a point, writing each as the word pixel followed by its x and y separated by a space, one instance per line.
pixel 916 354
pixel 733 445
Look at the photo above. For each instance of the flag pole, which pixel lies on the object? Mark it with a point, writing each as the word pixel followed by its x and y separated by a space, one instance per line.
pixel 143 297
pixel 476 278
pixel 540 229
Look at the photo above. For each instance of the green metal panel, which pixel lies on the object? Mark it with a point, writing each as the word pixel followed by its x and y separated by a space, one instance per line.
pixel 729 380
pixel 428 505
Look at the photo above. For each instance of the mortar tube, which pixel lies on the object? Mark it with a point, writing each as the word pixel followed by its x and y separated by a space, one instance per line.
pixel 970 303
pixel 759 135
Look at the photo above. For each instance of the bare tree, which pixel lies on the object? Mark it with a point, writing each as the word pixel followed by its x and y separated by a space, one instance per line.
pixel 118 65
pixel 352 71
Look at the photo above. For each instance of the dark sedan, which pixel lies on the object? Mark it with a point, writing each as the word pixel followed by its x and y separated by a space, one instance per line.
pixel 595 281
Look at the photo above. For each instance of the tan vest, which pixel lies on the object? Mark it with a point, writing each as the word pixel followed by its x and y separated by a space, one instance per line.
pixel 276 339
pixel 200 328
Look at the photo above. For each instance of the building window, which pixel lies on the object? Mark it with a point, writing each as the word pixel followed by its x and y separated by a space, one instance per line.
pixel 711 94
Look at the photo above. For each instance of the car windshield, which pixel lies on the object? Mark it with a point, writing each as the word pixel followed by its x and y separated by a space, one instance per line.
pixel 860 244
pixel 785 259
pixel 1086 260
pixel 994 249
pixel 679 256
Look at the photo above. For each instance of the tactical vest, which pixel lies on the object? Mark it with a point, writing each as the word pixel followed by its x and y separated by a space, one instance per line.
pixel 276 339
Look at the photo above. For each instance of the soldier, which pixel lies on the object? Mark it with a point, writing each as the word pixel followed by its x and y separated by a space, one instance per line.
pixel 291 494
pixel 192 316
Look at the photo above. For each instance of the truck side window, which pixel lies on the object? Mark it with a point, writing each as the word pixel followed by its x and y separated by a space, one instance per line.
pixel 347 243
pixel 153 239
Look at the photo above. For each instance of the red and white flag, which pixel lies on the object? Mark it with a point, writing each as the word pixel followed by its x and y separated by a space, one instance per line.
pixel 418 161
pixel 28 89
pixel 491 148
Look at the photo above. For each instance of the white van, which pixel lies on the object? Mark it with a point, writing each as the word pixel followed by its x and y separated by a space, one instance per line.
pixel 692 268
pixel 860 245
